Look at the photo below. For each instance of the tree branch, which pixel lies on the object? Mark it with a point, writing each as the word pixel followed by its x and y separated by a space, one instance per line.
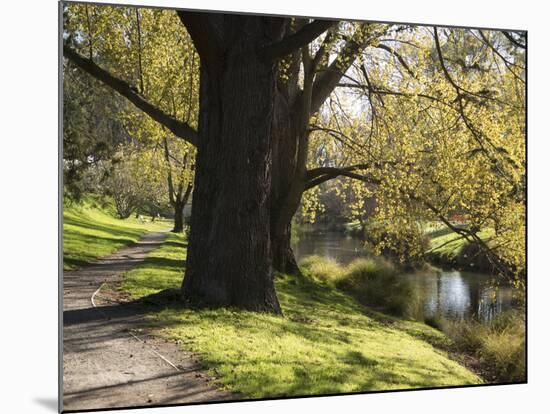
pixel 512 40
pixel 398 56
pixel 302 37
pixel 326 81
pixel 329 173
pixel 169 177
pixel 316 172
pixel 178 128
pixel 205 34
pixel 507 63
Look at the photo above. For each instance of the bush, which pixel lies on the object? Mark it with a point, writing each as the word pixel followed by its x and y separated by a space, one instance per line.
pixel 373 282
pixel 435 321
pixel 499 344
pixel 322 268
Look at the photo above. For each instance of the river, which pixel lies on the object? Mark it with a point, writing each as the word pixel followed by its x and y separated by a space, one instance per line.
pixel 453 294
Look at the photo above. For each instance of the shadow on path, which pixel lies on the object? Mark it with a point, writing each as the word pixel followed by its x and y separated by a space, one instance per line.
pixel 104 364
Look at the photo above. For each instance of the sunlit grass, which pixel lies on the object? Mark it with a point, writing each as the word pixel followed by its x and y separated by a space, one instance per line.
pixel 162 269
pixel 90 230
pixel 325 343
pixel 447 243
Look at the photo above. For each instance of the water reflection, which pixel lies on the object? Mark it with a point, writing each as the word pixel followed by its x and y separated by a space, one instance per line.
pixel 334 245
pixel 457 295
pixel 454 294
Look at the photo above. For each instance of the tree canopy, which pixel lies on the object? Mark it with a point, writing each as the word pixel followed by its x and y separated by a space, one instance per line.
pixel 257 115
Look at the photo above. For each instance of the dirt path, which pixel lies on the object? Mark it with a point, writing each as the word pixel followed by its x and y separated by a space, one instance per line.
pixel 107 361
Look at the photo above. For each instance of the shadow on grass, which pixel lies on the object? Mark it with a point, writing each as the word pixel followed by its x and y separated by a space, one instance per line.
pixel 153 262
pixel 171 243
pixel 113 229
pixel 317 317
pixel 70 263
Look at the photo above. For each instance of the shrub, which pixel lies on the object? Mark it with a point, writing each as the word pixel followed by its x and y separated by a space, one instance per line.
pixel 435 321
pixel 373 282
pixel 499 344
pixel 467 335
pixel 504 347
pixel 322 268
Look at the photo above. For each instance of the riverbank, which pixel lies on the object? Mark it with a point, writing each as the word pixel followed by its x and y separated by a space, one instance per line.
pixel 494 348
pixel 446 249
pixel 325 343
pixel 449 250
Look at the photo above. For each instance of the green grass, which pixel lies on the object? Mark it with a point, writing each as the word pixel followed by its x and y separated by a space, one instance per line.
pixel 445 242
pixel 162 269
pixel 91 230
pixel 325 343
pixel 449 249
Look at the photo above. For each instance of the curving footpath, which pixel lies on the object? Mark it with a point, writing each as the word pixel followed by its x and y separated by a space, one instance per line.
pixel 107 361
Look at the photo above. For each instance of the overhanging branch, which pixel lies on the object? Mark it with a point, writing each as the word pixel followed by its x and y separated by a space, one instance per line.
pixel 178 128
pixel 302 37
pixel 320 175
pixel 398 56
pixel 326 81
pixel 512 40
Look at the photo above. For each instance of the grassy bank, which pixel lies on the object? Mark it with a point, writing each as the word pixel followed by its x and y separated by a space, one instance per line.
pixel 449 249
pixel 496 349
pixel 325 343
pixel 91 230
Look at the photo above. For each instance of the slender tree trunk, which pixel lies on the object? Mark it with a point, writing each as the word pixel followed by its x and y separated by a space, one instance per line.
pixel 283 255
pixel 290 158
pixel 284 168
pixel 229 261
pixel 180 201
pixel 178 217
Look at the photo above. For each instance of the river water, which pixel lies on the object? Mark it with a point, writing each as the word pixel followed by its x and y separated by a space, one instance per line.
pixel 453 294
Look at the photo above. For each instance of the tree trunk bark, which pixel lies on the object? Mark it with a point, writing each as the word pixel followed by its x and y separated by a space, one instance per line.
pixel 179 202
pixel 283 255
pixel 229 261
pixel 178 217
pixel 284 146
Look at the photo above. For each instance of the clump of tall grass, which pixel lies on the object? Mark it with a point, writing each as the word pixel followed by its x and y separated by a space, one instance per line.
pixel 321 268
pixel 499 344
pixel 373 282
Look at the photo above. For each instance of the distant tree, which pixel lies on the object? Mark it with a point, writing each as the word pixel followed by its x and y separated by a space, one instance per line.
pixel 125 190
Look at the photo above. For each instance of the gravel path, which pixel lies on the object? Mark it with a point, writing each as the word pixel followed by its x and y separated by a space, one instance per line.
pixel 107 361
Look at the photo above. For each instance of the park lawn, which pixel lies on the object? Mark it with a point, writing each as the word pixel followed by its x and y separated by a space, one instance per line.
pixel 448 245
pixel 91 230
pixel 325 343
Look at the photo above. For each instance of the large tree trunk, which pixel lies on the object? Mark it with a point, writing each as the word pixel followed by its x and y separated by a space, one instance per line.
pixel 229 261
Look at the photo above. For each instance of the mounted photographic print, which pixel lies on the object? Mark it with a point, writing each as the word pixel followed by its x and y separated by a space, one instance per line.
pixel 259 207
